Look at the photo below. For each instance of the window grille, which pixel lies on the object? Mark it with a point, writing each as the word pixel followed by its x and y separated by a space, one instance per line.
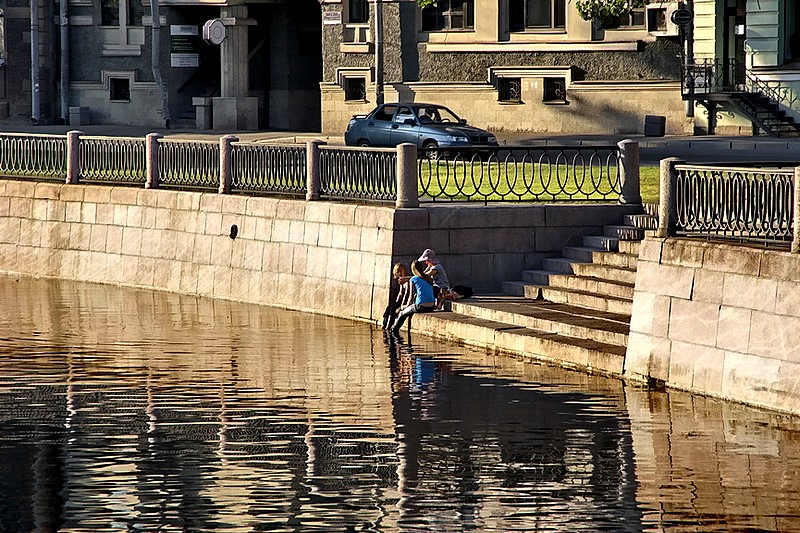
pixel 509 89
pixel 555 90
pixel 355 89
pixel 120 89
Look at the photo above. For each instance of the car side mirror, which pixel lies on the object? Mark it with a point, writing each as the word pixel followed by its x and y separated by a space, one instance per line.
pixel 462 121
pixel 409 122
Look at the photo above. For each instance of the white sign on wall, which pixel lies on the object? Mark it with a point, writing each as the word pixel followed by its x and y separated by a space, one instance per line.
pixel 332 17
pixel 183 46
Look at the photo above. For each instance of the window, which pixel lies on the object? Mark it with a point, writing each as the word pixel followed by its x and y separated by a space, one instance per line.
pixel 359 11
pixel 355 89
pixel 385 113
pixel 109 12
pixel 536 14
pixel 135 12
pixel 449 15
pixel 555 90
pixel 509 89
pixel 119 89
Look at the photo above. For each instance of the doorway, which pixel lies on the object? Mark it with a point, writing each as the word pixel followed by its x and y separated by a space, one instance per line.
pixel 733 38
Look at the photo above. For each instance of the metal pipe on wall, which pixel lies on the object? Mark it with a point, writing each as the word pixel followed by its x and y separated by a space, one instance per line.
pixel 35 108
pixel 155 61
pixel 64 23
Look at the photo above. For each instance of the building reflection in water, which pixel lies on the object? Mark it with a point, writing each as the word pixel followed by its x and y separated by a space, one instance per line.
pixel 124 410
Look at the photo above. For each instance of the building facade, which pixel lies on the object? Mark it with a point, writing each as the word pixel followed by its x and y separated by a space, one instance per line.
pixel 507 65
pixel 265 73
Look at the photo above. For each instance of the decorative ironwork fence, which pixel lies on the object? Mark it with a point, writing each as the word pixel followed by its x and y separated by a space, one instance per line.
pixel 580 173
pixel 113 160
pixel 188 164
pixel 745 204
pixel 28 155
pixel 358 173
pixel 261 168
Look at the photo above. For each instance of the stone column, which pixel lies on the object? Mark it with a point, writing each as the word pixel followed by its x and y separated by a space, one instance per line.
pixel 629 172
pixel 796 221
pixel 313 181
pixel 234 109
pixel 225 152
pixel 73 156
pixel 151 160
pixel 667 203
pixel 407 189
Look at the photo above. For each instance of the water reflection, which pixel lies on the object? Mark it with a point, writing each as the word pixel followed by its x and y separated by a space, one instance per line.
pixel 124 410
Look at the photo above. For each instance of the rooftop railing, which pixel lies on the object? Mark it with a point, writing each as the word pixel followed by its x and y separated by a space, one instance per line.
pixel 747 205
pixel 375 175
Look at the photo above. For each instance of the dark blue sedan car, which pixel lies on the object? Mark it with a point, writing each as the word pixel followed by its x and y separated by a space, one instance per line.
pixel 433 128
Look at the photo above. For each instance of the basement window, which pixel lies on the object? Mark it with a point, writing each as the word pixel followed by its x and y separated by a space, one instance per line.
pixel 355 89
pixel 119 89
pixel 555 91
pixel 509 90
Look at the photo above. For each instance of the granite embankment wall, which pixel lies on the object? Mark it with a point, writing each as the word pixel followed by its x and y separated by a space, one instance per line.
pixel 721 320
pixel 325 257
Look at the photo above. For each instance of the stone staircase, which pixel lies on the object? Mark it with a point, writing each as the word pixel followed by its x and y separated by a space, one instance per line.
pixel 574 312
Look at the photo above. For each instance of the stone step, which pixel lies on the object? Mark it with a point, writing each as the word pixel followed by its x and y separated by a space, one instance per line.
pixel 651 209
pixel 582 299
pixel 615 259
pixel 583 254
pixel 601 242
pixel 596 286
pixel 629 247
pixel 537 277
pixel 521 288
pixel 584 354
pixel 624 233
pixel 605 272
pixel 561 265
pixel 645 222
pixel 564 319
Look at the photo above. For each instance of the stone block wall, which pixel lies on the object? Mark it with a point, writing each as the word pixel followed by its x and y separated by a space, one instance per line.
pixel 326 257
pixel 331 258
pixel 718 319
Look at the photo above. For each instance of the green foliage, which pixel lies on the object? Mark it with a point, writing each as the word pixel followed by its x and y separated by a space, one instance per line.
pixel 605 10
pixel 427 3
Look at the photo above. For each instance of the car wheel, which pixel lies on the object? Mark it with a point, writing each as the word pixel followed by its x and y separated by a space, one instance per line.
pixel 430 150
pixel 363 143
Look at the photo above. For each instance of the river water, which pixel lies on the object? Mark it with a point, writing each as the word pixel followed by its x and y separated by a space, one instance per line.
pixel 126 410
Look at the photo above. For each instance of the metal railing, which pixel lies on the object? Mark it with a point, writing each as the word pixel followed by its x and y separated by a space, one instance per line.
pixel 358 173
pixel 260 168
pixel 30 155
pixel 714 76
pixel 113 160
pixel 188 164
pixel 743 204
pixel 566 173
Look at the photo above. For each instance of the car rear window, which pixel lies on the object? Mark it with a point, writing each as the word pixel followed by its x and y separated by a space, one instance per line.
pixel 385 113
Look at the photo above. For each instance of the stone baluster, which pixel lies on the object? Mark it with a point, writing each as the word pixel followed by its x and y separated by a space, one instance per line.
pixel 225 153
pixel 313 178
pixel 151 160
pixel 407 188
pixel 796 218
pixel 629 172
pixel 73 156
pixel 667 206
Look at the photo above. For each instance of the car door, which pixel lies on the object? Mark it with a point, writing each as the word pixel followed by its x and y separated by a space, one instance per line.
pixel 378 126
pixel 405 128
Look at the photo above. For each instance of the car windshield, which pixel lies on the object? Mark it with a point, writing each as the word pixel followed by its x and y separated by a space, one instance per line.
pixel 431 114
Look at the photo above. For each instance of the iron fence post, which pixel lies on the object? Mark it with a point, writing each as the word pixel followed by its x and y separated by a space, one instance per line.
pixel 313 176
pixel 796 214
pixel 407 190
pixel 151 160
pixel 73 156
pixel 225 153
pixel 667 203
pixel 629 172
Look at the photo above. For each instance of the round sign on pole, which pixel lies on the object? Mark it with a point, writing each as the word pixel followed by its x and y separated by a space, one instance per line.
pixel 214 31
pixel 681 17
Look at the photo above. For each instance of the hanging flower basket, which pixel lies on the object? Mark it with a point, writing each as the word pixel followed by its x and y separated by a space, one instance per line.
pixel 605 11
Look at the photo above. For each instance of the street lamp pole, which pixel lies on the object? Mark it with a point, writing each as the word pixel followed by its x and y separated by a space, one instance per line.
pixel 378 52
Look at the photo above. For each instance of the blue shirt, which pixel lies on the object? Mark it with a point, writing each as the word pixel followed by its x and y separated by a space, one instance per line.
pixel 424 291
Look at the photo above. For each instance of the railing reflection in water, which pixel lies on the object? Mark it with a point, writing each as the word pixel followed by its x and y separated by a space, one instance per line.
pixel 746 204
pixel 580 173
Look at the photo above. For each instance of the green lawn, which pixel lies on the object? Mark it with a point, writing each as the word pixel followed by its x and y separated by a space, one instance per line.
pixel 527 182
